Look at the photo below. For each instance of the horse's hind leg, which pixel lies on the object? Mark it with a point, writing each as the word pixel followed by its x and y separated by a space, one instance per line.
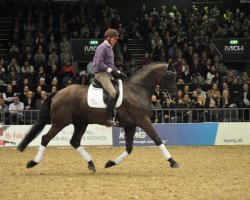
pixel 54 130
pixel 129 138
pixel 146 125
pixel 80 127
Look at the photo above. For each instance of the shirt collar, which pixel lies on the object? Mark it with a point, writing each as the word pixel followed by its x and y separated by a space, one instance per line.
pixel 107 43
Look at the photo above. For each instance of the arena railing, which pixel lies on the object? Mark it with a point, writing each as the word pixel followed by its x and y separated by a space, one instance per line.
pixel 176 115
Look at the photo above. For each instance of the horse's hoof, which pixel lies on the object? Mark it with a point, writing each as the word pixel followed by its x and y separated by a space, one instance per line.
pixel 109 164
pixel 31 164
pixel 174 165
pixel 91 166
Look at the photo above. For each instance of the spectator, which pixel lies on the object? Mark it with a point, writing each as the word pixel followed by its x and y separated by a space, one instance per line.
pixel 27 70
pixel 23 95
pixel 53 57
pixel 68 69
pixel 13 75
pixel 40 58
pixel 29 101
pixel 155 104
pixel 3 111
pixel 39 102
pixel 16 111
pixel 9 94
pixel 3 77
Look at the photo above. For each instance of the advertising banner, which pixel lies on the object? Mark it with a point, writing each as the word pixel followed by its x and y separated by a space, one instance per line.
pixel 233 49
pixel 172 134
pixel 83 49
pixel 94 135
pixel 233 134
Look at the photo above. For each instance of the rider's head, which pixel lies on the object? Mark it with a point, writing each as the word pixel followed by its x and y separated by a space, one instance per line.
pixel 111 35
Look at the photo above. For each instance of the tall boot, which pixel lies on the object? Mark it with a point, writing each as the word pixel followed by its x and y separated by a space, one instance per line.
pixel 110 111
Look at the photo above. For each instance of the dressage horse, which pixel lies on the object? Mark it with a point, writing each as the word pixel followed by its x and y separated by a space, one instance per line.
pixel 69 106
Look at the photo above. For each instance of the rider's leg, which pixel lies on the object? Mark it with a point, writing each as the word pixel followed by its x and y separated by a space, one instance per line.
pixel 105 79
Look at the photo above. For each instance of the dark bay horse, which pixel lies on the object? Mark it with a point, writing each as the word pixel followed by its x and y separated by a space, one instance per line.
pixel 69 105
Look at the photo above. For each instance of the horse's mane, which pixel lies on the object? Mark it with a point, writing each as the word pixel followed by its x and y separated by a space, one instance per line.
pixel 145 68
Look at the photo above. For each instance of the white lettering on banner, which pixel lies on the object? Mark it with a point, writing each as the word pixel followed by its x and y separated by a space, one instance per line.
pixel 94 135
pixel 138 135
pixel 90 48
pixel 234 48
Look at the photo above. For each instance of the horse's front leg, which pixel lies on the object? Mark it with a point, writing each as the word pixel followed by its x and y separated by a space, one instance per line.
pixel 129 138
pixel 147 126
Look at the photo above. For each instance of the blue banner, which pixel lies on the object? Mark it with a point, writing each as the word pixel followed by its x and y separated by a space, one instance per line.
pixel 172 134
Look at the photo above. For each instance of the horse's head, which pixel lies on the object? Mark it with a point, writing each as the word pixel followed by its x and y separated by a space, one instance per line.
pixel 169 79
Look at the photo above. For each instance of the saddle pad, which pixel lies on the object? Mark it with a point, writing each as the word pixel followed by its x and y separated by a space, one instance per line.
pixel 95 96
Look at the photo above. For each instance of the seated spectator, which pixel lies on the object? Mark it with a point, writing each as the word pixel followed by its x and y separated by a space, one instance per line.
pixel 13 75
pixel 65 55
pixel 39 102
pixel 3 111
pixel 8 96
pixel 155 115
pixel 158 93
pixel 244 97
pixel 216 79
pixel 53 57
pixel 40 58
pixel 38 91
pixel 216 90
pixel 186 75
pixel 212 100
pixel 186 104
pixel 13 62
pixel 200 92
pixel 225 100
pixel 68 69
pixel 41 74
pixel 43 84
pixel 146 59
pixel 169 115
pixel 3 105
pixel 180 84
pixel 27 70
pixel 29 101
pixel 65 43
pixel 210 75
pixel 3 77
pixel 244 76
pixel 23 95
pixel 16 111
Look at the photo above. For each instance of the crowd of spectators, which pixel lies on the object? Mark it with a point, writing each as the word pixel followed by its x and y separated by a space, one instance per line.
pixel 40 57
pixel 203 80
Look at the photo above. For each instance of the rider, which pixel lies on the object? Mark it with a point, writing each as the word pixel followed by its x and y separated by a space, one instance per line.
pixel 104 70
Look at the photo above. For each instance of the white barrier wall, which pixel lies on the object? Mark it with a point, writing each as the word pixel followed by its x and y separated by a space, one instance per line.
pixel 94 135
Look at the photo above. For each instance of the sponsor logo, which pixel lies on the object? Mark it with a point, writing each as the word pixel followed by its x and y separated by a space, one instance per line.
pixel 138 134
pixel 90 48
pixel 234 48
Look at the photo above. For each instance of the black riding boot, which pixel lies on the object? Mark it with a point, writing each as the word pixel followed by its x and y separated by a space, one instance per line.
pixel 110 112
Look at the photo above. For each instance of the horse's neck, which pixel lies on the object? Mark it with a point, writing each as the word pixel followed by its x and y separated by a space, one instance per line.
pixel 149 77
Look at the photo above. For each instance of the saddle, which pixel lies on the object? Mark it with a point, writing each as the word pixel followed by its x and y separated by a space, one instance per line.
pixel 98 96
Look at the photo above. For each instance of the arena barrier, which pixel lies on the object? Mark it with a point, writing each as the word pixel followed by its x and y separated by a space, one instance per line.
pixel 195 134
pixel 11 135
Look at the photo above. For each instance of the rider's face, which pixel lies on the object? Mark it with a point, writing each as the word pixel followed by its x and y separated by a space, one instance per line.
pixel 113 41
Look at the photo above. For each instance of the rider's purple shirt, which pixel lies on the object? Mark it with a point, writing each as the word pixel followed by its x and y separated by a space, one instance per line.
pixel 103 58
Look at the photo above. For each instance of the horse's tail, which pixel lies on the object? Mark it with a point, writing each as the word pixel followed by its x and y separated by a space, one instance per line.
pixel 39 124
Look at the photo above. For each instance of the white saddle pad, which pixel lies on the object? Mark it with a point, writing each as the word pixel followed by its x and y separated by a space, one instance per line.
pixel 95 96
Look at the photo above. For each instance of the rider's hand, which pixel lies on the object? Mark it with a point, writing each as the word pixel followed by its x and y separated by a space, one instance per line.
pixel 123 75
pixel 115 73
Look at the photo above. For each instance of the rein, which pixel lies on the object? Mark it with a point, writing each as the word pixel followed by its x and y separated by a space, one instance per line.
pixel 141 84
